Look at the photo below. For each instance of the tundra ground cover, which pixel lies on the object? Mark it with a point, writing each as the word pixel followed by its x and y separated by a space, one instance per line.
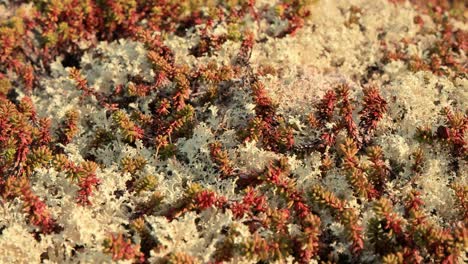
pixel 292 131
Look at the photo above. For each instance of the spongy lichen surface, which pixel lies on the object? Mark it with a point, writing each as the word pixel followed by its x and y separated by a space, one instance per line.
pixel 155 197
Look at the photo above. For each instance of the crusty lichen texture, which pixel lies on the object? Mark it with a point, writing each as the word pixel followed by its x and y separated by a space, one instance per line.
pixel 244 131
